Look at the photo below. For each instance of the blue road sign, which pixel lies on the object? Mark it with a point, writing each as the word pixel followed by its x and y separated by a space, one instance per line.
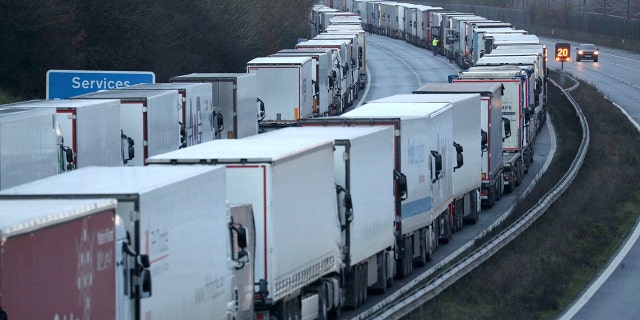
pixel 62 84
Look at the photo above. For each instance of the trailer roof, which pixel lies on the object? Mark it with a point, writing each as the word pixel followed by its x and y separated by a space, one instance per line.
pixel 421 98
pixel 211 77
pixel 242 151
pixel 165 86
pixel 498 60
pixel 9 113
pixel 460 87
pixel 125 94
pixel 395 109
pixel 24 216
pixel 318 132
pixel 108 182
pixel 278 61
pixel 323 43
pixel 64 104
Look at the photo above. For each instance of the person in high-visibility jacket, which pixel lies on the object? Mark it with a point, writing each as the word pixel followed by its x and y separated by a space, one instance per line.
pixel 434 43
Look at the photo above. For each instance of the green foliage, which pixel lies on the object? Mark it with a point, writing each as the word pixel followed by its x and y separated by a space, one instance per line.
pixel 168 37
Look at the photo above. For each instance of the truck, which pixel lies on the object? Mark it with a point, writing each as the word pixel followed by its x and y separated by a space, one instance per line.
pixel 29 146
pixel 178 261
pixel 298 253
pixel 89 131
pixel 361 51
pixel 148 118
pixel 482 40
pixel 323 93
pixel 58 259
pixel 235 97
pixel 467 164
pixel 455 39
pixel 517 144
pixel 539 51
pixel 352 39
pixel 285 86
pixel 422 172
pixel 341 66
pixel 365 189
pixel 505 39
pixel 534 85
pixel 491 126
pixel 440 23
pixel 199 122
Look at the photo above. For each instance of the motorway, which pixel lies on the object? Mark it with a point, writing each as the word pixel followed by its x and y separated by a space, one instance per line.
pixel 613 294
pixel 396 67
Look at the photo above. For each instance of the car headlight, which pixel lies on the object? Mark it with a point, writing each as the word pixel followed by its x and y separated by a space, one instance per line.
pixel 595 52
pixel 580 52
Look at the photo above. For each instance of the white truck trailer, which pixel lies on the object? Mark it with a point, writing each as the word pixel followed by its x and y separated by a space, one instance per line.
pixel 149 118
pixel 361 51
pixel 235 97
pixel 482 39
pixel 539 51
pixel 90 131
pixel 455 39
pixel 354 62
pixel 422 172
pixel 467 162
pixel 58 259
pixel 285 85
pixel 199 122
pixel 321 70
pixel 298 255
pixel 517 144
pixel 491 124
pixel 365 190
pixel 28 145
pixel 178 262
pixel 341 76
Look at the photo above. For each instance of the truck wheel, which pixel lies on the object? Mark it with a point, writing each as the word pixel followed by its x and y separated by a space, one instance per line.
pixel 381 264
pixel 491 197
pixel 409 255
pixel 363 284
pixel 508 188
pixel 422 257
pixel 446 234
pixel 323 308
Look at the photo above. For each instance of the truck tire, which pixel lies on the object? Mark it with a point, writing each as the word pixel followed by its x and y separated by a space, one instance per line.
pixel 323 303
pixel 446 233
pixel 364 296
pixel 422 258
pixel 406 261
pixel 491 197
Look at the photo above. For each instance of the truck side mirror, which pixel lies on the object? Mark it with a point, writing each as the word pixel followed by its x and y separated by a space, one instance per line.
pixel 242 237
pixel 220 122
pixel 261 112
pixel 459 156
pixel 128 146
pixel 507 128
pixel 401 179
pixel 437 166
pixel 483 140
pixel 183 135
pixel 144 289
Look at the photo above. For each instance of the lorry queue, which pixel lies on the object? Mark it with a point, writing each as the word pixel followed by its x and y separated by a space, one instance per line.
pixel 264 195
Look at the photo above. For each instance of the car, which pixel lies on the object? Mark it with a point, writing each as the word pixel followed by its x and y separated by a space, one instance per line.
pixel 587 51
